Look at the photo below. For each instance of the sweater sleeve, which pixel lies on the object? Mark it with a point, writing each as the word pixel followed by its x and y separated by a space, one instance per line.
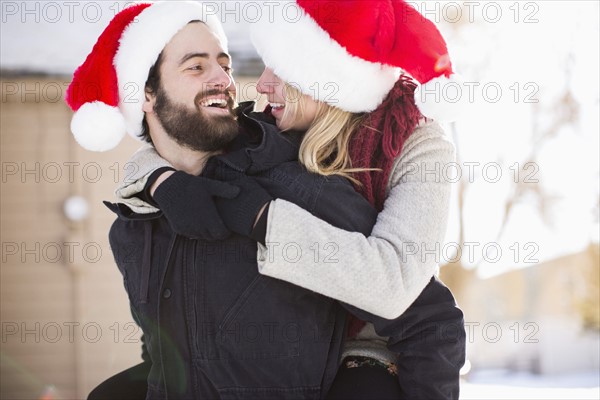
pixel 385 272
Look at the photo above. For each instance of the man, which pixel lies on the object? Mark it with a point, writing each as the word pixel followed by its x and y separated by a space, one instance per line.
pixel 213 327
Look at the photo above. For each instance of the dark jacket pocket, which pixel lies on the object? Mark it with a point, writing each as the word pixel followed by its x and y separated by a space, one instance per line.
pixel 254 327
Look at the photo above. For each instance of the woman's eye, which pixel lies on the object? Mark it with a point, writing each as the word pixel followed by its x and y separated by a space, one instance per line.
pixel 227 69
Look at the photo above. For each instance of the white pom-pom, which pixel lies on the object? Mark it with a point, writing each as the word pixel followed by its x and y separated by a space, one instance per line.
pixel 97 126
pixel 442 99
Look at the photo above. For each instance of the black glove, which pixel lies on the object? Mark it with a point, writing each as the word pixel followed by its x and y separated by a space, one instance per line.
pixel 239 213
pixel 188 202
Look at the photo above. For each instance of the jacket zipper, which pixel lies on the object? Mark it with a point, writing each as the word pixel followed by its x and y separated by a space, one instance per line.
pixel 231 165
pixel 194 299
pixel 174 241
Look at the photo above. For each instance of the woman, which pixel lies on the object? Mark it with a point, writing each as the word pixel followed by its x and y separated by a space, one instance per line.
pixel 362 122
pixel 376 273
pixel 344 56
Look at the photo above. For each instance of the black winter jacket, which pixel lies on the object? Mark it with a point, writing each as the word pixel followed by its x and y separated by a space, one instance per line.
pixel 213 326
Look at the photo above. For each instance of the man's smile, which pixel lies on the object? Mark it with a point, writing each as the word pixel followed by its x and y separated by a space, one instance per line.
pixel 220 104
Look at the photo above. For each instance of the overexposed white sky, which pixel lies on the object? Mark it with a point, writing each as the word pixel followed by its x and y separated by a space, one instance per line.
pixel 533 61
pixel 56 36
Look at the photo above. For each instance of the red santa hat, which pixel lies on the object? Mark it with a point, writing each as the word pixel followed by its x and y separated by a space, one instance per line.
pixel 107 91
pixel 350 53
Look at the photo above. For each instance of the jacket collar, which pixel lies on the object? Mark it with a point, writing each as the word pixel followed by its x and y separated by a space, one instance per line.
pixel 260 145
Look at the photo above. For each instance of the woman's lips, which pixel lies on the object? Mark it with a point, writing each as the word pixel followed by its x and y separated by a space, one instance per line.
pixel 277 112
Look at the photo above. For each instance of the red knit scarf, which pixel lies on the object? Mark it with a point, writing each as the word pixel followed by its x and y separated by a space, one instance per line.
pixel 380 138
pixel 377 143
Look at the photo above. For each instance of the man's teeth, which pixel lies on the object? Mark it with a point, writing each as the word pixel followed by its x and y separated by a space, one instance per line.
pixel 276 105
pixel 214 102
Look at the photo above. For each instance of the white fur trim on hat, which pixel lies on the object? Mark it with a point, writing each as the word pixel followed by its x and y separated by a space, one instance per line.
pixel 304 55
pixel 95 117
pixel 142 42
pixel 442 99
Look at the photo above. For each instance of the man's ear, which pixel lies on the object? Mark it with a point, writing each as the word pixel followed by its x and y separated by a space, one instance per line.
pixel 150 100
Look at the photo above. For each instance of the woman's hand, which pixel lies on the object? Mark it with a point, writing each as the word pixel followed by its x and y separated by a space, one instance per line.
pixel 140 166
pixel 161 178
pixel 241 212
pixel 188 203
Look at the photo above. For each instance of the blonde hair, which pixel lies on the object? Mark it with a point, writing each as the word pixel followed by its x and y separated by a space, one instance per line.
pixel 325 147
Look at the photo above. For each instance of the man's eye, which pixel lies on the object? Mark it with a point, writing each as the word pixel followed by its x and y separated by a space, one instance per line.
pixel 195 68
pixel 227 69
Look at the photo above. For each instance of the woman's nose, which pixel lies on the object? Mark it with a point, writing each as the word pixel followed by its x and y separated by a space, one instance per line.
pixel 266 82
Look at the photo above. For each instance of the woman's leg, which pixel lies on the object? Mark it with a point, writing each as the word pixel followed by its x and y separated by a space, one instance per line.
pixel 430 345
pixel 364 383
pixel 130 384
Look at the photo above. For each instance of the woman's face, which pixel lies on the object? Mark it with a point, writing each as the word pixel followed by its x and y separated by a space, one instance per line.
pixel 301 108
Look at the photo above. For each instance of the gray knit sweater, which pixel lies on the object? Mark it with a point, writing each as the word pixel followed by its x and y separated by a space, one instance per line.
pixel 385 272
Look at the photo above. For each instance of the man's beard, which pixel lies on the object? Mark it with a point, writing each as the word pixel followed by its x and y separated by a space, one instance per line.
pixel 194 129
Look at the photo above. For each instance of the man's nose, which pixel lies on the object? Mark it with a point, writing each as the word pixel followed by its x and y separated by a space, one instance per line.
pixel 220 79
